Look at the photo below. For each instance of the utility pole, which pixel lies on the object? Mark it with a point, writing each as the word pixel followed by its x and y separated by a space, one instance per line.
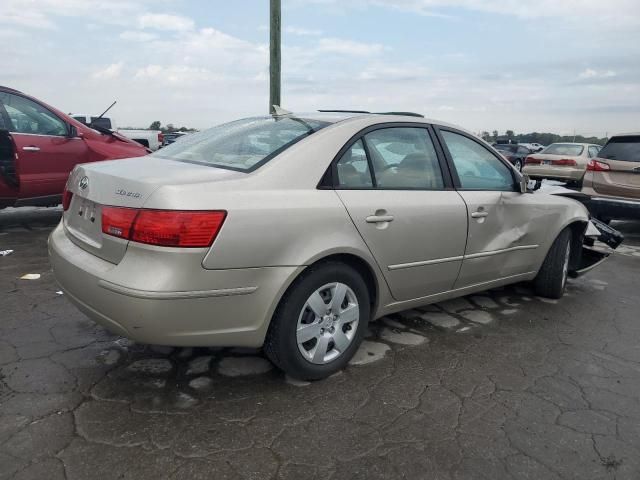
pixel 274 54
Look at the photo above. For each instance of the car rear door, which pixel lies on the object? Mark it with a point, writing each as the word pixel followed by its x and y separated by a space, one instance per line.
pixel 505 226
pixel 45 152
pixel 391 181
pixel 622 179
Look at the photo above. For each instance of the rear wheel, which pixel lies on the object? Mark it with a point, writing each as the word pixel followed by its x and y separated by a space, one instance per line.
pixel 320 322
pixel 552 277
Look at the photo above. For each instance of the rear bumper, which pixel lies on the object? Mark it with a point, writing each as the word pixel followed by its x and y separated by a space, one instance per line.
pixel 226 307
pixel 614 208
pixel 554 173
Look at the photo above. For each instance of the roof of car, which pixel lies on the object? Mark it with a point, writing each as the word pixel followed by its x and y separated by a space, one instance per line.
pixel 335 116
pixel 631 134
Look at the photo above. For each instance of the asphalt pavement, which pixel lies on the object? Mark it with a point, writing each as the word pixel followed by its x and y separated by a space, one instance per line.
pixel 497 385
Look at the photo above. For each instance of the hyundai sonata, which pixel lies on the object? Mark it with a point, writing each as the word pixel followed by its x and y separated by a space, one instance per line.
pixel 292 232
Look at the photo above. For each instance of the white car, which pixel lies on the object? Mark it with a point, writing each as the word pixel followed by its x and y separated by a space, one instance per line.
pixel 152 139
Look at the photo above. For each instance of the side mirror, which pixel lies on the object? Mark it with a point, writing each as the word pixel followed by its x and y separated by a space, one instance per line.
pixel 524 183
pixel 73 132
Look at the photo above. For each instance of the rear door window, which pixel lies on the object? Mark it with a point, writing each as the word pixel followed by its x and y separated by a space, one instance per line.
pixel 626 149
pixel 404 158
pixel 593 151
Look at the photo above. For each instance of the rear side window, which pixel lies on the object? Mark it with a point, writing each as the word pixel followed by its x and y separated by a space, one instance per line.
pixel 243 145
pixel 626 149
pixel 564 149
pixel 353 168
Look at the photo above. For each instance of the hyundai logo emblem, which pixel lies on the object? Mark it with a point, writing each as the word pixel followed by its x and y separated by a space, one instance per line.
pixel 84 182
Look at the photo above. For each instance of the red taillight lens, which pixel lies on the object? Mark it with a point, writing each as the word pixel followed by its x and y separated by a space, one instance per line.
pixel 167 228
pixel 565 162
pixel 160 138
pixel 596 166
pixel 177 228
pixel 532 161
pixel 66 199
pixel 117 221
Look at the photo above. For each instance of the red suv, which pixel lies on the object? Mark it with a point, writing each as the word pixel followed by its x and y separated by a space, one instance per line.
pixel 40 145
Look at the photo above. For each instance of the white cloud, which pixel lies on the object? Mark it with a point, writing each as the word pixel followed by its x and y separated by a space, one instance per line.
pixel 343 46
pixel 590 73
pixel 165 21
pixel 137 36
pixel 305 32
pixel 109 72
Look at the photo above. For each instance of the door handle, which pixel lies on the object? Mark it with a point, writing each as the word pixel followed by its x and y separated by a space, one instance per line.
pixel 479 214
pixel 31 148
pixel 379 218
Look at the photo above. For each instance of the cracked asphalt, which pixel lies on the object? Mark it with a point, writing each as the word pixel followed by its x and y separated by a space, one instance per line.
pixel 497 385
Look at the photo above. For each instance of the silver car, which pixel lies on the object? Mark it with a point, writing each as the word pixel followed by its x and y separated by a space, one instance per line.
pixel 292 232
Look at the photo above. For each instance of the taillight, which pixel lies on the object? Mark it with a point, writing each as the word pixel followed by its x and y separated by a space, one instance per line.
pixel 66 199
pixel 532 161
pixel 596 166
pixel 565 162
pixel 117 221
pixel 167 228
pixel 160 138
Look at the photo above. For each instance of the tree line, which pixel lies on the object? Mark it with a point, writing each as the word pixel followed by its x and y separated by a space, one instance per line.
pixel 169 127
pixel 541 138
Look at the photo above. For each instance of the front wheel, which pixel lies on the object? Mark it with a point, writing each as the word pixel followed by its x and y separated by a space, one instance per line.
pixel 320 322
pixel 552 277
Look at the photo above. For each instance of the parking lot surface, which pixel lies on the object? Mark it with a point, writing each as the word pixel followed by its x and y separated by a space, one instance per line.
pixel 496 385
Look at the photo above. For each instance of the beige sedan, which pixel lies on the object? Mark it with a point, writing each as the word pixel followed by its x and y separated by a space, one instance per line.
pixel 292 232
pixel 561 161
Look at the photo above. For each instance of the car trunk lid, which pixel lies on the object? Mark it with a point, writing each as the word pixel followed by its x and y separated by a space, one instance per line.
pixel 122 183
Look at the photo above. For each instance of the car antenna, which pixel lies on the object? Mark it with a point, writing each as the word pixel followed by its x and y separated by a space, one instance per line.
pixel 110 107
pixel 278 111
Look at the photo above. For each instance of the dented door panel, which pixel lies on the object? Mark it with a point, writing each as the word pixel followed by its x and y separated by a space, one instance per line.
pixel 508 234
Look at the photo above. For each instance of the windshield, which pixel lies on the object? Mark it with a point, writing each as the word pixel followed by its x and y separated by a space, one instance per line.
pixel 564 149
pixel 243 145
pixel 622 148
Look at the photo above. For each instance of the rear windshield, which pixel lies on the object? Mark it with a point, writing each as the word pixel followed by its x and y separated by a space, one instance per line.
pixel 622 148
pixel 243 145
pixel 506 147
pixel 564 149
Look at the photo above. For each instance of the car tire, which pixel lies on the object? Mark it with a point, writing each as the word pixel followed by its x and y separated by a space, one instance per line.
pixel 552 277
pixel 518 165
pixel 284 344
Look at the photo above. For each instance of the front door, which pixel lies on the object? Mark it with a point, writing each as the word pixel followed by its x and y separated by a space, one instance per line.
pixel 502 240
pixel 45 153
pixel 392 185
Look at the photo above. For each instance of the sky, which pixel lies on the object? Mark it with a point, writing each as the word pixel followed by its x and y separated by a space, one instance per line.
pixel 562 66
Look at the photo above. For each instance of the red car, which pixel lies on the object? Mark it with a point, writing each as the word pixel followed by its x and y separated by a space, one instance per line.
pixel 40 145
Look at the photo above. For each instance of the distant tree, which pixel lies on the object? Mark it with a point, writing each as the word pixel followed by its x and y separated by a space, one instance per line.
pixel 495 134
pixel 155 125
pixel 485 135
pixel 509 134
pixel 170 127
